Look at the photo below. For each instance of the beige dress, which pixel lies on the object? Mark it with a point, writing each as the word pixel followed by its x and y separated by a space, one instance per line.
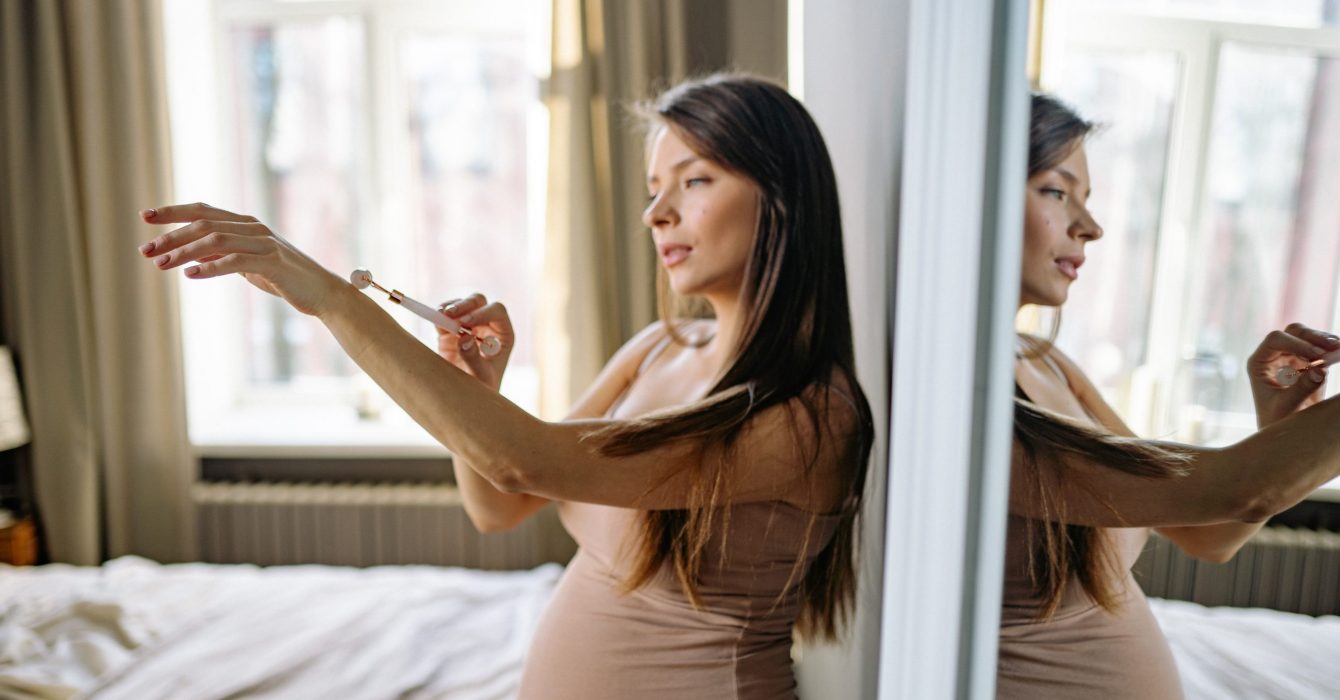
pixel 594 642
pixel 1083 652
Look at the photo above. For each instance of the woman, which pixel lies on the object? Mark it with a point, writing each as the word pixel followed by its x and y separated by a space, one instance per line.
pixel 713 472
pixel 1084 495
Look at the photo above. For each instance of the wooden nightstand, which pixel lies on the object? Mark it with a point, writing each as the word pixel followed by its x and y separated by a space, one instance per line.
pixel 18 543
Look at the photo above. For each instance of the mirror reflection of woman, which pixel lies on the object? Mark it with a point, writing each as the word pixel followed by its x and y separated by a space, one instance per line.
pixel 1085 494
pixel 713 472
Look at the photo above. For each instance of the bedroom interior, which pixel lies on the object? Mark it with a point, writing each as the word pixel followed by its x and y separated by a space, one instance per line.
pixel 188 515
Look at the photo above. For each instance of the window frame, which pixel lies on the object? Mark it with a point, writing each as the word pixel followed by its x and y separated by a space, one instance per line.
pixel 1197 43
pixel 318 420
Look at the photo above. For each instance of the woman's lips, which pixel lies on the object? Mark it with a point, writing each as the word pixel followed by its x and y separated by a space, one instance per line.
pixel 1069 267
pixel 673 255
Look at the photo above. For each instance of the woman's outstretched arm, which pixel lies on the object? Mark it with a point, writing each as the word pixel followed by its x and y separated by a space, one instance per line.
pixel 519 453
pixel 513 450
pixel 1218 542
pixel 1294 345
pixel 1238 486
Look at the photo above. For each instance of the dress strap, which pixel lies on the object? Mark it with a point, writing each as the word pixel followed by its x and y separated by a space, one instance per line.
pixel 652 354
pixel 650 357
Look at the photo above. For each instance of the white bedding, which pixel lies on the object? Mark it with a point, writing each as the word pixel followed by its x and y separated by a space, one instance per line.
pixel 138 630
pixel 1225 653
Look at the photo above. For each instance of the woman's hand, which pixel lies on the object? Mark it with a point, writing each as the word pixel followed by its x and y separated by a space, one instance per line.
pixel 1295 346
pixel 476 313
pixel 221 243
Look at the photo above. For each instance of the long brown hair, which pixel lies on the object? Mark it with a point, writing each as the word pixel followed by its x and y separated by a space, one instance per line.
pixel 1059 550
pixel 796 337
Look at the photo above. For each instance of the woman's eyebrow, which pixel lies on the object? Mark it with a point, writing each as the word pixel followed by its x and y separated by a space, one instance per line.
pixel 1072 179
pixel 1069 176
pixel 683 163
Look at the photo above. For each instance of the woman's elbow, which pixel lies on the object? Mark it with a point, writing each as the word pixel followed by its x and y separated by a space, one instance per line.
pixel 1258 507
pixel 1220 555
pixel 488 523
pixel 512 480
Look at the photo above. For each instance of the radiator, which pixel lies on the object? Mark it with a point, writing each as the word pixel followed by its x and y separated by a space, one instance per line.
pixel 1281 568
pixel 362 525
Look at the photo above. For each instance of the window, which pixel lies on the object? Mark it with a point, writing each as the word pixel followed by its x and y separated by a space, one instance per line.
pixel 404 137
pixel 1213 177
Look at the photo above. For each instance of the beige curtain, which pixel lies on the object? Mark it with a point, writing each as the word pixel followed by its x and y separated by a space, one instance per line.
pixel 600 268
pixel 83 142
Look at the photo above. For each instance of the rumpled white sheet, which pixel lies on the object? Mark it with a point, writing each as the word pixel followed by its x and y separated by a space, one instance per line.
pixel 1252 654
pixel 138 630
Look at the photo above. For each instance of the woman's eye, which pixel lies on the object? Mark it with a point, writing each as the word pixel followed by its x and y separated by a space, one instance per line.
pixel 695 181
pixel 1054 193
pixel 651 198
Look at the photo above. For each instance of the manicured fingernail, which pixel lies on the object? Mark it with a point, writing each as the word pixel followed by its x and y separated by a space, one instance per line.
pixel 192 271
pixel 162 260
pixel 149 213
pixel 1333 340
pixel 467 343
pixel 451 308
pixel 147 248
pixel 466 318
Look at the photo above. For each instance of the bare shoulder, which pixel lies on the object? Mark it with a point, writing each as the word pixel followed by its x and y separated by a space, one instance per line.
pixel 628 357
pixel 1088 394
pixel 617 373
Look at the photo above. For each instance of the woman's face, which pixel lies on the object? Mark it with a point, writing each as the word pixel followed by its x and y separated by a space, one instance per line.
pixel 702 217
pixel 1057 224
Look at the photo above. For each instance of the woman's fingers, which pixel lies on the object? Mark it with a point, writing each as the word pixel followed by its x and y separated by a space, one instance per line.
pixel 171 241
pixel 494 316
pixel 213 244
pixel 1321 339
pixel 442 308
pixel 225 265
pixel 181 213
pixel 461 307
pixel 474 311
pixel 468 350
pixel 1282 342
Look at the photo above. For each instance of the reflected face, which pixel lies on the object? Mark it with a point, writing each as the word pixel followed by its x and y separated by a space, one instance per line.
pixel 1057 225
pixel 702 217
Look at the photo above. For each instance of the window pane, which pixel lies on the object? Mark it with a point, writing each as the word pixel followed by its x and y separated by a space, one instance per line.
pixel 298 113
pixel 1293 13
pixel 468 98
pixel 1131 95
pixel 1269 236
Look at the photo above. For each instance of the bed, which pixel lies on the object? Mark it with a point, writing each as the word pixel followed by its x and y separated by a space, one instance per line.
pixel 1251 653
pixel 135 629
pixel 138 630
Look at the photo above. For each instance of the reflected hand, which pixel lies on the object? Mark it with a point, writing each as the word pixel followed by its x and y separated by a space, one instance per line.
pixel 1295 346
pixel 222 242
pixel 477 314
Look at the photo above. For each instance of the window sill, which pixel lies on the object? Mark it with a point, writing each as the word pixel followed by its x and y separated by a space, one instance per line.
pixel 310 432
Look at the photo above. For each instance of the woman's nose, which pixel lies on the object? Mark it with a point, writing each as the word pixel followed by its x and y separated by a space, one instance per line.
pixel 659 212
pixel 1086 227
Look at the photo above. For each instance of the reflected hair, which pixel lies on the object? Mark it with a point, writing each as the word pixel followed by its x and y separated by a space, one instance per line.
pixel 1060 552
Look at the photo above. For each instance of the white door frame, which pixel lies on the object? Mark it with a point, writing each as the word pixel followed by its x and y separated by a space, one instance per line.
pixel 925 107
